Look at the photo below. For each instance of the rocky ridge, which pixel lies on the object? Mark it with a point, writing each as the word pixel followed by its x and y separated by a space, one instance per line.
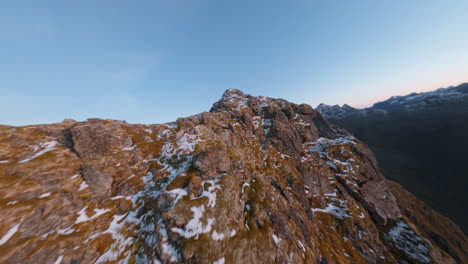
pixel 419 141
pixel 255 180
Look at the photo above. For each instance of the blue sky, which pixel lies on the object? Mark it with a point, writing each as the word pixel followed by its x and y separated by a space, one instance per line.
pixel 154 61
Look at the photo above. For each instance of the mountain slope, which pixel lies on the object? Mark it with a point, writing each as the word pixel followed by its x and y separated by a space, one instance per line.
pixel 419 141
pixel 255 180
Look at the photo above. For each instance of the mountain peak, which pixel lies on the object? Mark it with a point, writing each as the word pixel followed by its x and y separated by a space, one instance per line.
pixel 333 112
pixel 232 93
pixel 236 101
pixel 257 179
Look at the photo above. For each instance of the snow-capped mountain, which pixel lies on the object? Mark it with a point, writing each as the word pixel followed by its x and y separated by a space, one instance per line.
pixel 336 111
pixel 410 102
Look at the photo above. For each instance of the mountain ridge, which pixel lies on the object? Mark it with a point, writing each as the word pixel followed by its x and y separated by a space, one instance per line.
pixel 255 180
pixel 410 102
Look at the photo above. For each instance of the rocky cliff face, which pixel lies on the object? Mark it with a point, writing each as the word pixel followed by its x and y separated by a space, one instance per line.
pixel 420 141
pixel 255 180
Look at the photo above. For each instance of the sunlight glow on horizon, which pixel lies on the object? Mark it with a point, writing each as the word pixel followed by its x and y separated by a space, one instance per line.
pixel 427 88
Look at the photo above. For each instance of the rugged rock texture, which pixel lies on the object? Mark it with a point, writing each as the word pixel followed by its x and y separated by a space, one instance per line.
pixel 420 141
pixel 255 180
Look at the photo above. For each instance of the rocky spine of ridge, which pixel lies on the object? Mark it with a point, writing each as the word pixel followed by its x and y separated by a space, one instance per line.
pixel 255 180
pixel 419 141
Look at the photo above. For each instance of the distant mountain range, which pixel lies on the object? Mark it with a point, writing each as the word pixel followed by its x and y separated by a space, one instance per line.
pixel 421 141
pixel 408 103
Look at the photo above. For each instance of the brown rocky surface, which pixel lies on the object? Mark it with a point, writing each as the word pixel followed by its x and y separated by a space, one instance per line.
pixel 255 180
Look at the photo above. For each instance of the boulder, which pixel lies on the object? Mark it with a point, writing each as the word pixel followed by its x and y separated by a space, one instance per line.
pixel 213 160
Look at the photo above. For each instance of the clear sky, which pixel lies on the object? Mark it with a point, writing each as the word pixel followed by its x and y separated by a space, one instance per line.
pixel 154 61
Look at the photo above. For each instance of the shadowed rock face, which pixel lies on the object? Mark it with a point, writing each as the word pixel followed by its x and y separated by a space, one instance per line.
pixel 420 142
pixel 255 180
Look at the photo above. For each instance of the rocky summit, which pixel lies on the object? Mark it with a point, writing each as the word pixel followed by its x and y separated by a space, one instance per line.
pixel 255 180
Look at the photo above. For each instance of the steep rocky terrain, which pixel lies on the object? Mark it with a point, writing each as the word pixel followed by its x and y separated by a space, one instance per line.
pixel 255 180
pixel 420 141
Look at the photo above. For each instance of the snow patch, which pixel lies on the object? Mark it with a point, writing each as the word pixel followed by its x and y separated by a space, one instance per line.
pixel 82 217
pixel 301 245
pixel 264 102
pixel 44 148
pixel 59 259
pixel 121 242
pixel 406 240
pixel 47 194
pixel 83 186
pixel 219 261
pixel 168 249
pixel 194 227
pixel 178 194
pixel 9 234
pixel 245 184
pixel 323 143
pixel 217 236
pixel 211 192
pixel 275 238
pixel 129 148
pixel 242 104
pixel 267 124
pixel 187 142
pixel 339 212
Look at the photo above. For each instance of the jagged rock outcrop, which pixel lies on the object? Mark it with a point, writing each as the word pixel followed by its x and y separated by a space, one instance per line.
pixel 255 180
